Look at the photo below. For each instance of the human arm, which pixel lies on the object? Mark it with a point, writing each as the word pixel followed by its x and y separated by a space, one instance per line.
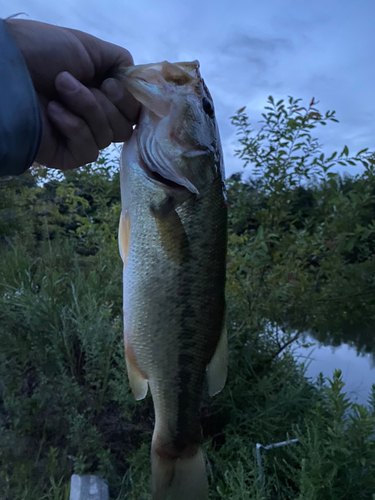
pixel 20 121
pixel 79 119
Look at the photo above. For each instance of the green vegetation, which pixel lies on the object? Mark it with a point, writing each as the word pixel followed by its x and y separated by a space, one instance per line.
pixel 301 258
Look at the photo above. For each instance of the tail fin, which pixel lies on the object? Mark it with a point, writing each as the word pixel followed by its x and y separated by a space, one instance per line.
pixel 179 478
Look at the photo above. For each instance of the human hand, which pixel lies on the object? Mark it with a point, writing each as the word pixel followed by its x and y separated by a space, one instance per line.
pixel 84 107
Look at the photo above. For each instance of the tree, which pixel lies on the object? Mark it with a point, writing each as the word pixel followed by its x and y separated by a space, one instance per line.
pixel 302 239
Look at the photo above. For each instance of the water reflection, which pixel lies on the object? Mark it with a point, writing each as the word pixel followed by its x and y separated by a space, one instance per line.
pixel 358 371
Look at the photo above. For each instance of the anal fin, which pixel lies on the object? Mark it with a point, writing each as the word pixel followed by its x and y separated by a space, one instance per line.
pixel 217 368
pixel 137 381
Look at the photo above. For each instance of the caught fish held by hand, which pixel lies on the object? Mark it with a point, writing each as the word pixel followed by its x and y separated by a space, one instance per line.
pixel 172 240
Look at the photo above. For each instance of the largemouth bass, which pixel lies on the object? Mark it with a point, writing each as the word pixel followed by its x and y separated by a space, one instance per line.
pixel 172 239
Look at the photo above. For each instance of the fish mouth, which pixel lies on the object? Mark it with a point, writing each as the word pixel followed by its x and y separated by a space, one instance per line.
pixel 156 177
pixel 186 185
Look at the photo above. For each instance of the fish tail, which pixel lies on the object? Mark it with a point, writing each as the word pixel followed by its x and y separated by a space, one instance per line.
pixel 181 478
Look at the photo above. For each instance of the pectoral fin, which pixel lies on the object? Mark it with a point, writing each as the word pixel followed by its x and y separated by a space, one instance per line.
pixel 171 231
pixel 218 366
pixel 124 236
pixel 137 381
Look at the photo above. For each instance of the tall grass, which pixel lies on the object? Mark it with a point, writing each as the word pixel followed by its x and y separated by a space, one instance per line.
pixel 65 402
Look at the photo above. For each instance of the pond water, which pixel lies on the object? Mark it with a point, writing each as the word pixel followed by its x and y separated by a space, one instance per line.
pixel 358 371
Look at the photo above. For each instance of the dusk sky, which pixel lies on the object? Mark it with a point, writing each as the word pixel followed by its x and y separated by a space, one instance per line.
pixel 247 50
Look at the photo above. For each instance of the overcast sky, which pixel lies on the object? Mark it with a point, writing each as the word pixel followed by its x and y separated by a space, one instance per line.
pixel 247 50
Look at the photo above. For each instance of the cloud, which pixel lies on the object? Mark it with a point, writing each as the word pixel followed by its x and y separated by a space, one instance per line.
pixel 255 44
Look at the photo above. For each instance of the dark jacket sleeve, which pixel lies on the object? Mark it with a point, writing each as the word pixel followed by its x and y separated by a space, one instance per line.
pixel 20 121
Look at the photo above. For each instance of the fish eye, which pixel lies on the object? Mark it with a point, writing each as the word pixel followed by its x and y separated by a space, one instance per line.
pixel 207 107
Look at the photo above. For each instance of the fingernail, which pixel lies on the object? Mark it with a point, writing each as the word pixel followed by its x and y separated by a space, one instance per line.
pixel 68 82
pixel 112 89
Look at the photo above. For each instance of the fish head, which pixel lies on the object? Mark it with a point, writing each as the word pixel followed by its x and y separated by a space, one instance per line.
pixel 177 133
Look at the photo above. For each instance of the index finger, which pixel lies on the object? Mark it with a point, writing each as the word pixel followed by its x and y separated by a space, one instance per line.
pixel 107 58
